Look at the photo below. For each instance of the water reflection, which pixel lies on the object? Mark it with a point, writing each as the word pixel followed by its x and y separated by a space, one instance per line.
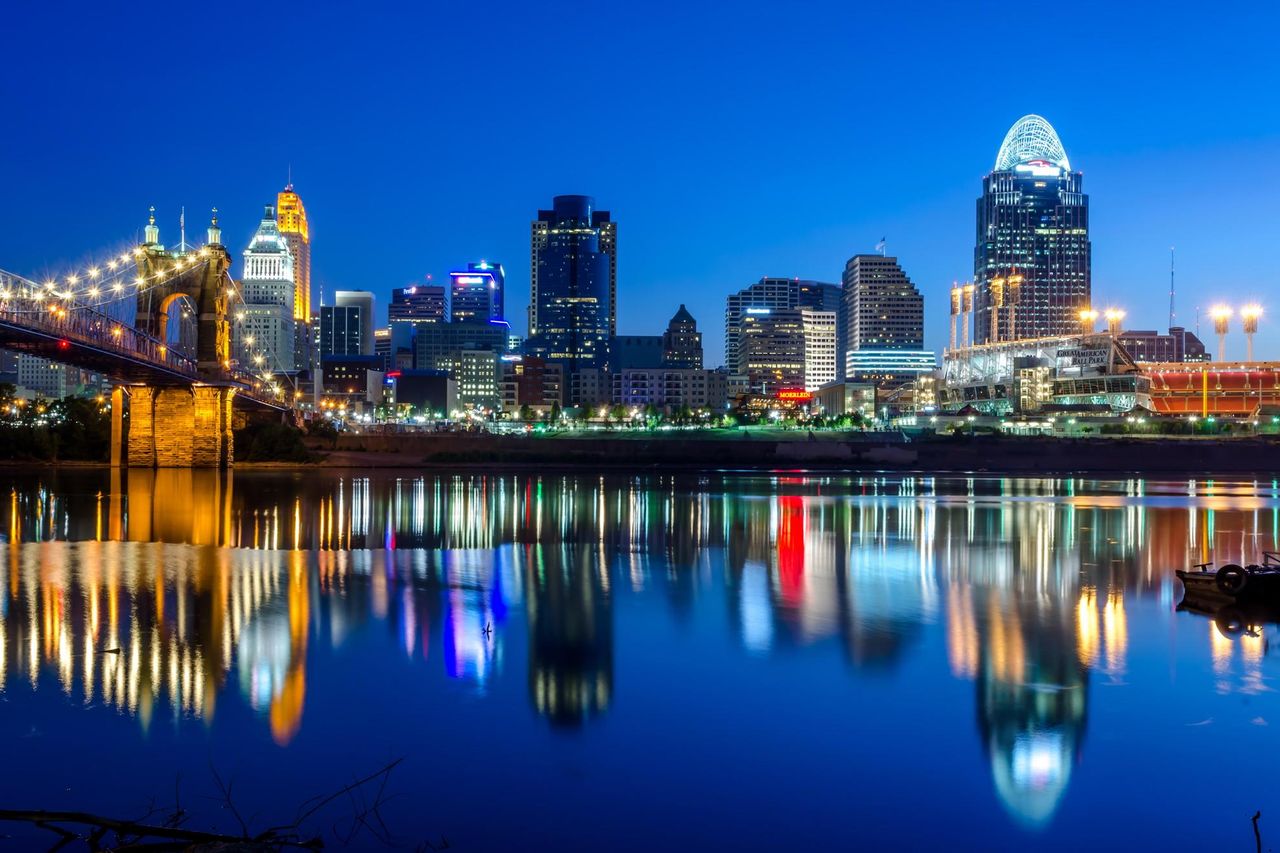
pixel 140 590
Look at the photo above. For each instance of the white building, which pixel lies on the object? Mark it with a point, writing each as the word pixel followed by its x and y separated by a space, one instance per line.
pixel 264 325
pixel 671 388
pixel 819 348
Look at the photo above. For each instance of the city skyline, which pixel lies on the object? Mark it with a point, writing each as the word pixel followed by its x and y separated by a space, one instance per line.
pixel 764 206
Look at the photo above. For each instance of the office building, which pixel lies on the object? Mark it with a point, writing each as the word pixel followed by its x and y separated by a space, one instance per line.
pixel 362 300
pixel 342 330
pixel 774 293
pixel 573 284
pixel 1032 259
pixel 1149 345
pixel 682 342
pixel 819 347
pixel 771 349
pixel 476 293
pixel 264 327
pixel 883 308
pixel 353 379
pixel 888 368
pixel 419 303
pixel 292 222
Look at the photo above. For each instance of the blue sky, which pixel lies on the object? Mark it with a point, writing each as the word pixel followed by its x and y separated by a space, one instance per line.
pixel 730 142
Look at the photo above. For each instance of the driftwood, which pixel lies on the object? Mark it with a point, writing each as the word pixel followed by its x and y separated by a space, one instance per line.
pixel 100 834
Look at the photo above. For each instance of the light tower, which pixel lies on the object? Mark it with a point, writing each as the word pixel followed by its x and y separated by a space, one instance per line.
pixel 1115 319
pixel 1221 315
pixel 1249 315
pixel 1088 316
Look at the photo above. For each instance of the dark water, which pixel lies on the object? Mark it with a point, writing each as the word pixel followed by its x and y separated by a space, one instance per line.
pixel 744 662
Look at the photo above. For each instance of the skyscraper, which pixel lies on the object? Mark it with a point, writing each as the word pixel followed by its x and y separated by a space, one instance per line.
pixel 773 293
pixel 293 226
pixel 1032 260
pixel 682 342
pixel 264 327
pixel 883 309
pixel 292 221
pixel 477 293
pixel 573 271
pixel 361 301
pixel 606 231
pixel 341 328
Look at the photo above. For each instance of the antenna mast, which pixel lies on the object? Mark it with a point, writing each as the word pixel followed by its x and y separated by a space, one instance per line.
pixel 1172 315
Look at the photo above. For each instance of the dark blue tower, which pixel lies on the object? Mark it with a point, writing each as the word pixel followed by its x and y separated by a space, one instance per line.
pixel 571 304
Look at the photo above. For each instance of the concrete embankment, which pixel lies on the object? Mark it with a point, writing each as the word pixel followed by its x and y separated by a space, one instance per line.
pixel 1192 457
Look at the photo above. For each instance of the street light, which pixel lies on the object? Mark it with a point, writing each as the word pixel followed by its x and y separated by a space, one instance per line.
pixel 1221 315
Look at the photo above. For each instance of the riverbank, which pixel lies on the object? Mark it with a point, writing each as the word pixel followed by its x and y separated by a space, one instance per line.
pixel 824 451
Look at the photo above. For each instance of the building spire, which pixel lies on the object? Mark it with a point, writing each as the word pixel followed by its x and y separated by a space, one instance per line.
pixel 215 233
pixel 152 230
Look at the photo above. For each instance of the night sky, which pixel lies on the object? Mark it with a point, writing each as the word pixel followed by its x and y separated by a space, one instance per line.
pixel 730 141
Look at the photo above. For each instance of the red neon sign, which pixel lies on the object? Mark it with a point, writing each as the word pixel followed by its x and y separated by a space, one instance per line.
pixel 798 395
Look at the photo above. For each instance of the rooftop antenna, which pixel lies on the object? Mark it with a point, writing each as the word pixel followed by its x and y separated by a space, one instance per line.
pixel 1172 315
pixel 289 185
pixel 182 230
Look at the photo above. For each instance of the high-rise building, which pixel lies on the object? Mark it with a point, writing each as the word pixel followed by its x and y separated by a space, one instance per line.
pixel 883 309
pixel 292 219
pixel 297 234
pixel 477 293
pixel 264 325
pixel 1032 260
pixel 682 342
pixel 819 347
pixel 573 282
pixel 341 330
pixel 771 349
pixel 420 303
pixel 773 293
pixel 363 301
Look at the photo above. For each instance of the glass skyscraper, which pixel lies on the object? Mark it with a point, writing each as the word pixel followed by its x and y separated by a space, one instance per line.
pixel 571 305
pixel 1032 261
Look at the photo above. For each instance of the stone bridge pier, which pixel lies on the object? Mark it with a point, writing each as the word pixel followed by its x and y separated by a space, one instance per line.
pixel 178 427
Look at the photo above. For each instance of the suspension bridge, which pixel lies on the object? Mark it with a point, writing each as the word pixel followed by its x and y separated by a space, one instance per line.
pixel 157 324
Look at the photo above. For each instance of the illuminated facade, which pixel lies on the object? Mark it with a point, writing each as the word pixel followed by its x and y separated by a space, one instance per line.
pixel 774 293
pixel 883 309
pixel 1032 259
pixel 264 324
pixel 889 368
pixel 293 226
pixel 573 283
pixel 682 342
pixel 476 293
pixel 819 348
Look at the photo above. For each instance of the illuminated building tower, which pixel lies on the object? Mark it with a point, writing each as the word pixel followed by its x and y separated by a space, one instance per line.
pixel 771 350
pixel 264 327
pixel 477 293
pixel 571 310
pixel 1032 232
pixel 292 220
pixel 682 342
pixel 773 293
pixel 292 217
pixel 884 315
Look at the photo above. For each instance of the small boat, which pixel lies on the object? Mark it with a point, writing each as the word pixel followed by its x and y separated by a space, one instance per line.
pixel 1233 582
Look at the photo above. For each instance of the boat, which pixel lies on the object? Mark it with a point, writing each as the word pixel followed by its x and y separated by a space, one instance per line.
pixel 1233 583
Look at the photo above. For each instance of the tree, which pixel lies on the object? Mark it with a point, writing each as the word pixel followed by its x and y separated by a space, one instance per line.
pixel 526 413
pixel 618 413
pixel 555 414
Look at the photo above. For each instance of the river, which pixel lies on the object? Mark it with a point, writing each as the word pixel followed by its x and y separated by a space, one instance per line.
pixel 745 661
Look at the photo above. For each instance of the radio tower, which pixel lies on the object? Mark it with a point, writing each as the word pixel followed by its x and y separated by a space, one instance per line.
pixel 1171 314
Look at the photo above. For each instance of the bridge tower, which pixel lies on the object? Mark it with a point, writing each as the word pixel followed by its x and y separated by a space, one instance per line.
pixel 205 284
pixel 180 426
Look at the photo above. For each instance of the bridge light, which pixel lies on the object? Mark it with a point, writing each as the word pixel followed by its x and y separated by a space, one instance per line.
pixel 115 333
pixel 93 292
pixel 124 259
pixel 71 279
pixel 94 272
pixel 111 264
pixel 51 284
pixel 64 344
pixel 118 286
